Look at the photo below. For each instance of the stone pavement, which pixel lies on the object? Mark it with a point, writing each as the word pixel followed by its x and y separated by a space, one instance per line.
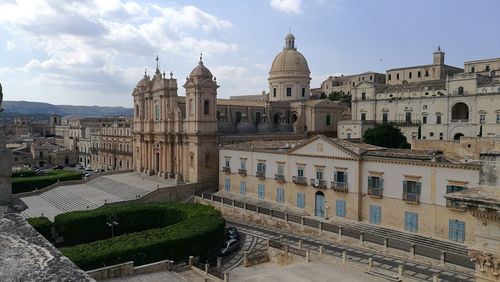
pixel 251 244
pixel 93 194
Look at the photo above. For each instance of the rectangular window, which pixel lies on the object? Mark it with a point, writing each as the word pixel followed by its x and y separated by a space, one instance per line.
pixel 288 91
pixel 363 96
pixel 227 162
pixel 301 200
pixel 243 188
pixel 438 119
pixel 440 135
pixel 274 92
pixel 243 164
pixel 397 76
pixel 426 73
pixel 384 117
pixel 280 195
pixel 419 74
pixel 389 78
pixel 431 134
pixel 408 117
pixel 411 222
pixel 340 208
pixel 409 75
pixel 411 190
pixel 456 231
pixel 227 185
pixel 482 118
pixel 319 174
pixel 472 69
pixel 303 92
pixel 498 118
pixel 454 188
pixel 375 214
pixel 300 171
pixel 281 169
pixel 327 120
pixel 157 112
pixel 375 185
pixel 363 116
pixel 262 191
pixel 340 177
pixel 424 119
pixel 261 167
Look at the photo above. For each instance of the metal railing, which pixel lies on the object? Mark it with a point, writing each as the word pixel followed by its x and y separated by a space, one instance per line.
pixel 226 169
pixel 375 191
pixel 339 186
pixel 299 180
pixel 260 174
pixel 279 177
pixel 411 197
pixel 318 183
pixel 242 171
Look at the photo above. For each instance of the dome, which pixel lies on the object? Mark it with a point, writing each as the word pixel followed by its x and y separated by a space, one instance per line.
pixel 285 127
pixel 265 127
pixel 144 81
pixel 201 71
pixel 245 127
pixel 289 61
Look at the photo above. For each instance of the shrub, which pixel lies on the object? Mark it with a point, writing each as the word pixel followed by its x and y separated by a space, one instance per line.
pixel 23 173
pixel 200 233
pixel 42 225
pixel 26 184
pixel 87 226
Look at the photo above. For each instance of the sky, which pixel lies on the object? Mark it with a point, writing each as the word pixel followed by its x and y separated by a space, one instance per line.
pixel 93 52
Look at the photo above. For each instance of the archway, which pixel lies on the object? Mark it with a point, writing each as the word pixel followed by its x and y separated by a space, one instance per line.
pixel 457 136
pixel 460 111
pixel 319 204
pixel 277 118
pixel 293 118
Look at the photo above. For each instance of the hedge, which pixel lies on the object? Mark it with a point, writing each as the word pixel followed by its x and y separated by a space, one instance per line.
pixel 26 184
pixel 201 233
pixel 23 173
pixel 42 225
pixel 87 226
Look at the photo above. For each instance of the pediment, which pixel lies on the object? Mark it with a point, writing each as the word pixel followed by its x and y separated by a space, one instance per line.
pixel 322 146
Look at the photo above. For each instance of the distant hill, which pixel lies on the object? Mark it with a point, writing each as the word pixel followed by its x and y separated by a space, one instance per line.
pixel 16 108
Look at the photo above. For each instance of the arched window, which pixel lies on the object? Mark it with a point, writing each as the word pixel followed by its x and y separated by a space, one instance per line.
pixel 257 118
pixel 460 90
pixel 238 117
pixel 206 107
pixel 157 112
pixel 136 110
pixel 460 111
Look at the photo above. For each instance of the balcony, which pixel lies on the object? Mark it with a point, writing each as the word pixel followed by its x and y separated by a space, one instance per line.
pixel 339 186
pixel 242 172
pixel 279 177
pixel 375 192
pixel 226 169
pixel 260 174
pixel 455 205
pixel 411 197
pixel 299 180
pixel 460 120
pixel 318 183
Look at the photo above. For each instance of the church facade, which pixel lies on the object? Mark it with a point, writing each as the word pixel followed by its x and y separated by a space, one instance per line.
pixel 178 136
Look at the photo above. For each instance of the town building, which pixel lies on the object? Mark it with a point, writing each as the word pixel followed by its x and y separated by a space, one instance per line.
pixel 178 136
pixel 447 104
pixel 341 180
pixel 345 83
pixel 110 147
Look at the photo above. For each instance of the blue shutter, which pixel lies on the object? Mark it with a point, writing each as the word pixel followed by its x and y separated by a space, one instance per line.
pixel 405 186
pixel 227 185
pixel 345 177
pixel 418 187
pixel 460 231
pixel 452 230
pixel 374 214
pixel 340 208
pixel 303 200
pixel 407 221
pixel 300 200
pixel 381 183
pixel 448 189
pixel 243 187
pixel 337 208
pixel 411 222
pixel 372 218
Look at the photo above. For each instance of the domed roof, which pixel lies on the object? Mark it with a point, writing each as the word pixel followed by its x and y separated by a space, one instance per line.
pixel 144 81
pixel 201 71
pixel 265 127
pixel 289 61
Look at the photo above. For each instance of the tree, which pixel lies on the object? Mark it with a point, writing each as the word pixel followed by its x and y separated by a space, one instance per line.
pixel 386 135
pixel 337 96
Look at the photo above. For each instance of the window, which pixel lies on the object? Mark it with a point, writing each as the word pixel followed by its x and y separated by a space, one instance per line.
pixel 281 169
pixel 456 231
pixel 303 92
pixel 301 200
pixel 487 68
pixel 261 167
pixel 206 107
pixel 482 118
pixel 238 117
pixel 227 185
pixel 424 107
pixel 319 173
pixel 363 96
pixel 419 74
pixel 389 78
pixel 370 77
pixel 424 119
pixel 327 120
pixel 157 112
pixel 397 76
pixel 440 135
pixel 438 119
pixel 280 195
pixel 472 69
pixel 375 185
pixel 409 75
pixel 431 134
pixel 136 110
pixel 340 177
pixel 363 116
pixel 384 117
pixel 460 90
pixel 426 73
pixel 375 214
pixel 300 171
pixel 411 190
pixel 408 117
pixel 262 191
pixel 454 188
pixel 243 188
pixel 340 208
pixel 411 222
pixel 288 91
pixel 243 164
pixel 227 161
pixel 498 118
pixel 274 92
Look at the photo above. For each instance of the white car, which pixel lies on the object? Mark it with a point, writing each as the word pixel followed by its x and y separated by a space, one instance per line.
pixel 97 170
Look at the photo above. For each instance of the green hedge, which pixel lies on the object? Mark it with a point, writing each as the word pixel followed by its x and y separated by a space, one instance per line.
pixel 23 173
pixel 201 233
pixel 27 184
pixel 42 225
pixel 87 226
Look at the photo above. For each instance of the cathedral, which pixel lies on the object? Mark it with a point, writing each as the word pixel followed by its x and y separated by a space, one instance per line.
pixel 178 136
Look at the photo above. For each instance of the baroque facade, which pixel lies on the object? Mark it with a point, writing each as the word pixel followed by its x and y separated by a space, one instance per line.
pixel 432 102
pixel 341 180
pixel 178 136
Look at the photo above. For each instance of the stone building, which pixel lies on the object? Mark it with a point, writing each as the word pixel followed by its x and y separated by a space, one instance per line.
pixel 445 105
pixel 332 178
pixel 177 137
pixel 345 83
pixel 111 145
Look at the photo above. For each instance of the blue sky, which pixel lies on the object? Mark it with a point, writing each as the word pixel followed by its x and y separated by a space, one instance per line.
pixel 93 52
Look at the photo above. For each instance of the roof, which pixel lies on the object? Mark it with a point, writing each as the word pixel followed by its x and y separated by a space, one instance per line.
pixel 421 66
pixel 483 195
pixel 413 86
pixel 275 146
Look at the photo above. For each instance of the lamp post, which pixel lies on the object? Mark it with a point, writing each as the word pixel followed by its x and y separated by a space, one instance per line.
pixel 111 222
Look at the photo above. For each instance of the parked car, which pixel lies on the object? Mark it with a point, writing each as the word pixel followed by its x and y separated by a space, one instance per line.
pixel 97 170
pixel 88 169
pixel 40 172
pixel 232 233
pixel 58 167
pixel 86 174
pixel 230 246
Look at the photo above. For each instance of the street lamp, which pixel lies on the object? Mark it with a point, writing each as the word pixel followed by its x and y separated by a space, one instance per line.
pixel 111 222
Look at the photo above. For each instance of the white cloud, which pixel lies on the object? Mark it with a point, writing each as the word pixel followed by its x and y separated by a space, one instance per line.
pixel 287 6
pixel 10 46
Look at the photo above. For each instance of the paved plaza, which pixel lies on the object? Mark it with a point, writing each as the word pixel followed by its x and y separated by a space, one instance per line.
pixel 93 194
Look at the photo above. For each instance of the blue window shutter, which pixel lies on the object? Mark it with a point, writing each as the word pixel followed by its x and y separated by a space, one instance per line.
pixel 298 200
pixel 303 200
pixel 337 207
pixel 415 222
pixel 407 221
pixel 448 189
pixel 370 181
pixel 381 183
pixel 335 176
pixel 345 177
pixel 405 186
pixel 460 231
pixel 452 230
pixel 372 216
pixel 418 187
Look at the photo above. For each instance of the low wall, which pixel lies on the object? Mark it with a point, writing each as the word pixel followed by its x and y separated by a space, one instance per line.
pixel 114 271
pixel 281 257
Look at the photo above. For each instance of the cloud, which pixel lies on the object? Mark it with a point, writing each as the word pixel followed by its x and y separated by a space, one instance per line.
pixel 10 46
pixel 287 6
pixel 96 45
pixel 238 81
